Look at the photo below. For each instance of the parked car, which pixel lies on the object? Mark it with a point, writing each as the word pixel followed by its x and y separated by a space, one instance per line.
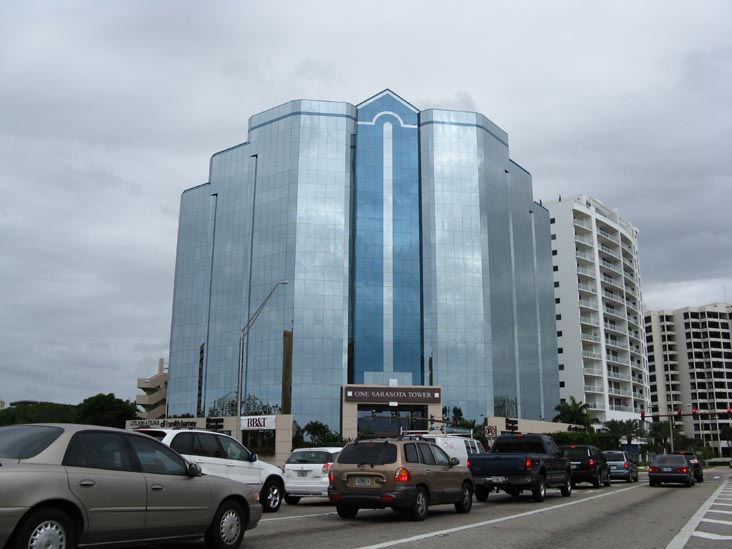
pixel 696 465
pixel 69 485
pixel 519 463
pixel 621 465
pixel 588 464
pixel 222 455
pixel 307 471
pixel 671 468
pixel 406 474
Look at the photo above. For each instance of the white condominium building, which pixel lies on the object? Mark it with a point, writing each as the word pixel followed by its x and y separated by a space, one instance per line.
pixel 690 363
pixel 597 290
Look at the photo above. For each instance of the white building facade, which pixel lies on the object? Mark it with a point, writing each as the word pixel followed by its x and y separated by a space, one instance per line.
pixel 690 363
pixel 597 287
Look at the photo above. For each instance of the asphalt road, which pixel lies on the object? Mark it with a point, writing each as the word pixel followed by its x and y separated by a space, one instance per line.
pixel 622 515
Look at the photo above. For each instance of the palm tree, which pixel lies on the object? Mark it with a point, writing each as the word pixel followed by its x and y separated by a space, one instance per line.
pixel 576 413
pixel 628 429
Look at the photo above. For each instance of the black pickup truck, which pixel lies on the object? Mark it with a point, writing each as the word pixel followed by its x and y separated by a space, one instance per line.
pixel 521 462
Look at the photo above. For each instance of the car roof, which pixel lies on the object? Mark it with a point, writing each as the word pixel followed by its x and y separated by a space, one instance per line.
pixel 167 431
pixel 319 449
pixel 75 427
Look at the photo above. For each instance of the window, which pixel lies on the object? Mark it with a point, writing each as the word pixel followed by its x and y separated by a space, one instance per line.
pixel 206 445
pixel 555 268
pixel 424 451
pixel 554 237
pixel 552 221
pixel 410 453
pixel 98 450
pixel 560 350
pixel 558 317
pixel 440 456
pixel 234 450
pixel 557 300
pixel 554 252
pixel 561 367
pixel 556 284
pixel 183 443
pixel 156 458
pixel 561 384
pixel 559 333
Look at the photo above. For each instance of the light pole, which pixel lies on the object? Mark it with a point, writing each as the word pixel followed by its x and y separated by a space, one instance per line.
pixel 244 332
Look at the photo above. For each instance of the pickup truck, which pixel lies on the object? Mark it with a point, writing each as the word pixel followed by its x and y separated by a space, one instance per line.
pixel 521 462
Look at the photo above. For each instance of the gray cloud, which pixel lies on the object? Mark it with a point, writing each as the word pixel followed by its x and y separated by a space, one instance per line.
pixel 109 111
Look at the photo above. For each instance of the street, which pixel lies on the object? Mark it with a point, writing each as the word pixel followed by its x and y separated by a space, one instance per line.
pixel 623 515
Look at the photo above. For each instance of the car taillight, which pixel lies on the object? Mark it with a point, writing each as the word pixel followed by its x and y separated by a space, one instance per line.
pixel 652 469
pixel 591 464
pixel 326 469
pixel 528 463
pixel 331 478
pixel 402 475
pixel 467 464
pixel 682 470
pixel 626 465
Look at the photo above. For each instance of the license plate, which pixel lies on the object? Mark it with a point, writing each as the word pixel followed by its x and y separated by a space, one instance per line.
pixel 613 467
pixel 363 481
pixel 667 469
pixel 574 466
pixel 497 480
pixel 302 473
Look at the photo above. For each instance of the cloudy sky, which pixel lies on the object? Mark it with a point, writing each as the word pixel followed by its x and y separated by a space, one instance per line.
pixel 109 110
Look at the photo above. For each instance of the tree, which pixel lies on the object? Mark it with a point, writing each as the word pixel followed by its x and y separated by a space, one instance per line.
pixel 321 435
pixel 105 410
pixel 254 406
pixel 627 429
pixel 576 413
pixel 37 412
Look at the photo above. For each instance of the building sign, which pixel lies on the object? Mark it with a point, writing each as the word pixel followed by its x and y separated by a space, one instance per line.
pixel 163 423
pixel 401 395
pixel 256 423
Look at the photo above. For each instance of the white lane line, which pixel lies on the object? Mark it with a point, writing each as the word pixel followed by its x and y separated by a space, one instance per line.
pixel 298 516
pixel 713 521
pixel 715 537
pixel 720 511
pixel 495 521
pixel 724 504
pixel 689 528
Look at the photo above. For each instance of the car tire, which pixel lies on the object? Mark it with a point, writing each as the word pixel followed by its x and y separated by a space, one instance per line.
pixel 651 483
pixel 635 478
pixel 228 526
pixel 538 492
pixel 271 496
pixel 47 525
pixel 346 511
pixel 689 482
pixel 606 482
pixel 420 505
pixel 596 481
pixel 481 493
pixel 466 500
pixel 567 488
pixel 701 478
pixel 292 500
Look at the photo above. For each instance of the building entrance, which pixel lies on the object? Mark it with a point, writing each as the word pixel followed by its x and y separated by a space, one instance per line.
pixel 383 421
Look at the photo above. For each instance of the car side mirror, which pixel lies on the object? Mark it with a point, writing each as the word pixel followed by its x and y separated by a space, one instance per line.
pixel 454 462
pixel 194 470
pixel 253 458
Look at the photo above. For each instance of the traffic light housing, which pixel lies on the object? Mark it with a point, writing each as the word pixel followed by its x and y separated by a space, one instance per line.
pixel 679 412
pixel 693 413
pixel 643 415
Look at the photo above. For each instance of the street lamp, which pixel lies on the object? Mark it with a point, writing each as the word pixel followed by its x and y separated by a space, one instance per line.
pixel 244 332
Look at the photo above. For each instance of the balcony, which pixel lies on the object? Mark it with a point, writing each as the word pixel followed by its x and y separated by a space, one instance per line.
pixel 152 398
pixel 590 321
pixel 584 240
pixel 596 405
pixel 585 256
pixel 607 236
pixel 591 355
pixel 617 375
pixel 590 337
pixel 615 328
pixel 592 371
pixel 609 251
pixel 611 266
pixel 617 408
pixel 615 359
pixel 618 284
pixel 615 343
pixel 582 223
pixel 594 389
pixel 587 288
pixel 586 272
pixel 614 312
pixel 588 304
pixel 615 297
pixel 618 391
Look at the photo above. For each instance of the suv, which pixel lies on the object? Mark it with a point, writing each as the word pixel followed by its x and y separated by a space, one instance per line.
pixel 621 465
pixel 222 455
pixel 588 464
pixel 307 471
pixel 406 474
pixel 696 466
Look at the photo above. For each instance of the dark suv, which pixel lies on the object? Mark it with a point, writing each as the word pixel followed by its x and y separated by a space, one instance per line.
pixel 696 466
pixel 588 464
pixel 405 474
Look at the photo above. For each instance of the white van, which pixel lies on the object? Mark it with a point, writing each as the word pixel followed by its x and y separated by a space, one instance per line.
pixel 222 455
pixel 458 446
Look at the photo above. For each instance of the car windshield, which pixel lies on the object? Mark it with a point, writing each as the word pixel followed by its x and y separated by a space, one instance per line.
pixel 373 453
pixel 614 456
pixel 575 454
pixel 517 446
pixel 26 441
pixel 669 460
pixel 311 456
pixel 160 435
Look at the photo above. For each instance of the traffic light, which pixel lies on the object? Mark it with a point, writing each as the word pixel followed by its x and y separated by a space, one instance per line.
pixel 679 412
pixel 432 420
pixel 693 413
pixel 643 415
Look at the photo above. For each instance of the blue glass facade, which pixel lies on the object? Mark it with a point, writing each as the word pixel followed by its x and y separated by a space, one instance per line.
pixel 413 251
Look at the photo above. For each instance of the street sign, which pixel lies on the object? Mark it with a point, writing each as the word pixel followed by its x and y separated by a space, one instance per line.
pixel 490 431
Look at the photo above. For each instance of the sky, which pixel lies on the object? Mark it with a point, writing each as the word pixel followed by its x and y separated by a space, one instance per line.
pixel 110 110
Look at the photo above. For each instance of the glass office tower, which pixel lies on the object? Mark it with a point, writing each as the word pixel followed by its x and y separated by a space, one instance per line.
pixel 414 254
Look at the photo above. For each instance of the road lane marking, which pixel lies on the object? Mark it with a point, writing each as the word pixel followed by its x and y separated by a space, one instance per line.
pixel 299 516
pixel 689 528
pixel 440 533
pixel 714 521
pixel 720 511
pixel 715 537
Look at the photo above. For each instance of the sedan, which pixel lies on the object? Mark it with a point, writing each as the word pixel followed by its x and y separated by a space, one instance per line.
pixel 671 468
pixel 67 485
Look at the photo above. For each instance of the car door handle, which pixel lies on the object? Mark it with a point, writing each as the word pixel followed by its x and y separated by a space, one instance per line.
pixel 87 482
pixel 157 487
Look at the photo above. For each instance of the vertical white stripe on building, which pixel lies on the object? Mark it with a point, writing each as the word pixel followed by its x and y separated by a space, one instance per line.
pixel 388 251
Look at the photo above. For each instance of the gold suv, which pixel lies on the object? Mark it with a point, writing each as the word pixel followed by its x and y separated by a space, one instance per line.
pixel 406 474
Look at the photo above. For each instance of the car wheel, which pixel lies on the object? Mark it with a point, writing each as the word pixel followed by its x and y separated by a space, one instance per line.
pixel 346 511
pixel 47 527
pixel 466 501
pixel 292 500
pixel 418 510
pixel 539 490
pixel 635 478
pixel 481 493
pixel 689 482
pixel 700 478
pixel 651 483
pixel 607 480
pixel 228 526
pixel 567 488
pixel 271 496
pixel 596 481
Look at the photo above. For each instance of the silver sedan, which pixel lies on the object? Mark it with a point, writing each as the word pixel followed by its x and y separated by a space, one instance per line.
pixel 68 485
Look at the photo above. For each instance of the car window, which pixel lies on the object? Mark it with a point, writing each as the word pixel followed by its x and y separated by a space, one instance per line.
pixel 26 441
pixel 575 454
pixel 155 457
pixel 207 445
pixel 98 450
pixel 182 443
pixel 232 449
pixel 440 456
pixel 317 457
pixel 160 435
pixel 614 456
pixel 669 460
pixel 410 453
pixel 424 451
pixel 373 453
